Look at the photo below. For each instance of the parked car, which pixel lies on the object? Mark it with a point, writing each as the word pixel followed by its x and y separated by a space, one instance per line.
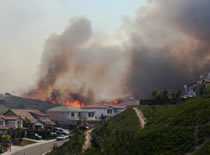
pixel 35 136
pixel 62 137
pixel 53 134
pixel 62 131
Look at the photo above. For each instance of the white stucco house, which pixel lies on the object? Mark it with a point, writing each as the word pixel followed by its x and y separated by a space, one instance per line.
pixel 90 113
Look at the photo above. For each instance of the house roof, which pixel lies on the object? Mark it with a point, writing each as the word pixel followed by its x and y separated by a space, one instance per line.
pixel 36 112
pixel 24 114
pixel 97 106
pixel 65 109
pixel 85 108
pixel 2 117
pixel 47 121
pixel 31 115
pixel 3 109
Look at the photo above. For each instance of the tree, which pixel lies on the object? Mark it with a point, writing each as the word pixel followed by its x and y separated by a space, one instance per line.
pixel 178 94
pixel 164 95
pixel 156 94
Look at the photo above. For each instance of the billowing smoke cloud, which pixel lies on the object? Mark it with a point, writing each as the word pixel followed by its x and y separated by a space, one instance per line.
pixel 170 44
pixel 164 46
pixel 76 62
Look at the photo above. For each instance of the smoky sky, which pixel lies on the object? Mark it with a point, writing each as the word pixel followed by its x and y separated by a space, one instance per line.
pixel 170 45
pixel 75 60
pixel 166 45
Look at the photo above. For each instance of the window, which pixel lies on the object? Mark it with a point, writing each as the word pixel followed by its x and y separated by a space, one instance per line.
pixel 10 123
pixel 1 123
pixel 91 114
pixel 115 110
pixel 109 111
pixel 72 114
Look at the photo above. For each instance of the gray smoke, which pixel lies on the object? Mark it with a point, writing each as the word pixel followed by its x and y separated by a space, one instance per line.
pixel 165 46
pixel 170 44
pixel 76 62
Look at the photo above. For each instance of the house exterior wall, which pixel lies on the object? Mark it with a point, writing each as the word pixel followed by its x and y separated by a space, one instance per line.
pixel 103 112
pixel 14 124
pixel 20 123
pixel 2 123
pixel 11 124
pixel 86 114
pixel 116 111
pixel 64 117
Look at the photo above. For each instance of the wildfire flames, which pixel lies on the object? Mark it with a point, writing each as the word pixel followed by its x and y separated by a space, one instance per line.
pixel 67 99
pixel 74 104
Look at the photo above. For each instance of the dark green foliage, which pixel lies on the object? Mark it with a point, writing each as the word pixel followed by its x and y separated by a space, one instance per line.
pixel 5 139
pixel 166 97
pixel 72 147
pixel 204 150
pixel 116 136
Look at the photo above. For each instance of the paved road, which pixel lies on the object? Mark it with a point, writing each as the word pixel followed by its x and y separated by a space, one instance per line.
pixel 39 149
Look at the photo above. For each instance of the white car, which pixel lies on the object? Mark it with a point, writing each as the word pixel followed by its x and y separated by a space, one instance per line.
pixel 62 137
pixel 62 131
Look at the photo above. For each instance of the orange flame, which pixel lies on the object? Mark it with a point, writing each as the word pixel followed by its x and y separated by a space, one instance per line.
pixel 74 104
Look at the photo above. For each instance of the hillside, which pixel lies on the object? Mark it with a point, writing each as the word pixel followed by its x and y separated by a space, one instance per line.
pixel 16 102
pixel 170 130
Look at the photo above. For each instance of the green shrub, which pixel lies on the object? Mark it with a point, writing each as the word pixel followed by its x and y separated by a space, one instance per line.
pixel 72 147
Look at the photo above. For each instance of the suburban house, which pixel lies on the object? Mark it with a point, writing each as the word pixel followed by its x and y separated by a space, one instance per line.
pixel 190 90
pixel 65 115
pixel 31 118
pixel 198 87
pixel 91 113
pixel 10 122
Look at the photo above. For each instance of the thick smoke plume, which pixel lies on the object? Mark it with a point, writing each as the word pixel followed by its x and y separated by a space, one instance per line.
pixel 164 46
pixel 76 62
pixel 170 44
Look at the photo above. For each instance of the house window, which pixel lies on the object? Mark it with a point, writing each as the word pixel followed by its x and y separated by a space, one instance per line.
pixel 115 110
pixel 72 114
pixel 10 123
pixel 91 114
pixel 109 111
pixel 1 123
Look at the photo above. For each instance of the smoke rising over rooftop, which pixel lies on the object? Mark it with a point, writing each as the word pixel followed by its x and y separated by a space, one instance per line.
pixel 76 62
pixel 164 46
